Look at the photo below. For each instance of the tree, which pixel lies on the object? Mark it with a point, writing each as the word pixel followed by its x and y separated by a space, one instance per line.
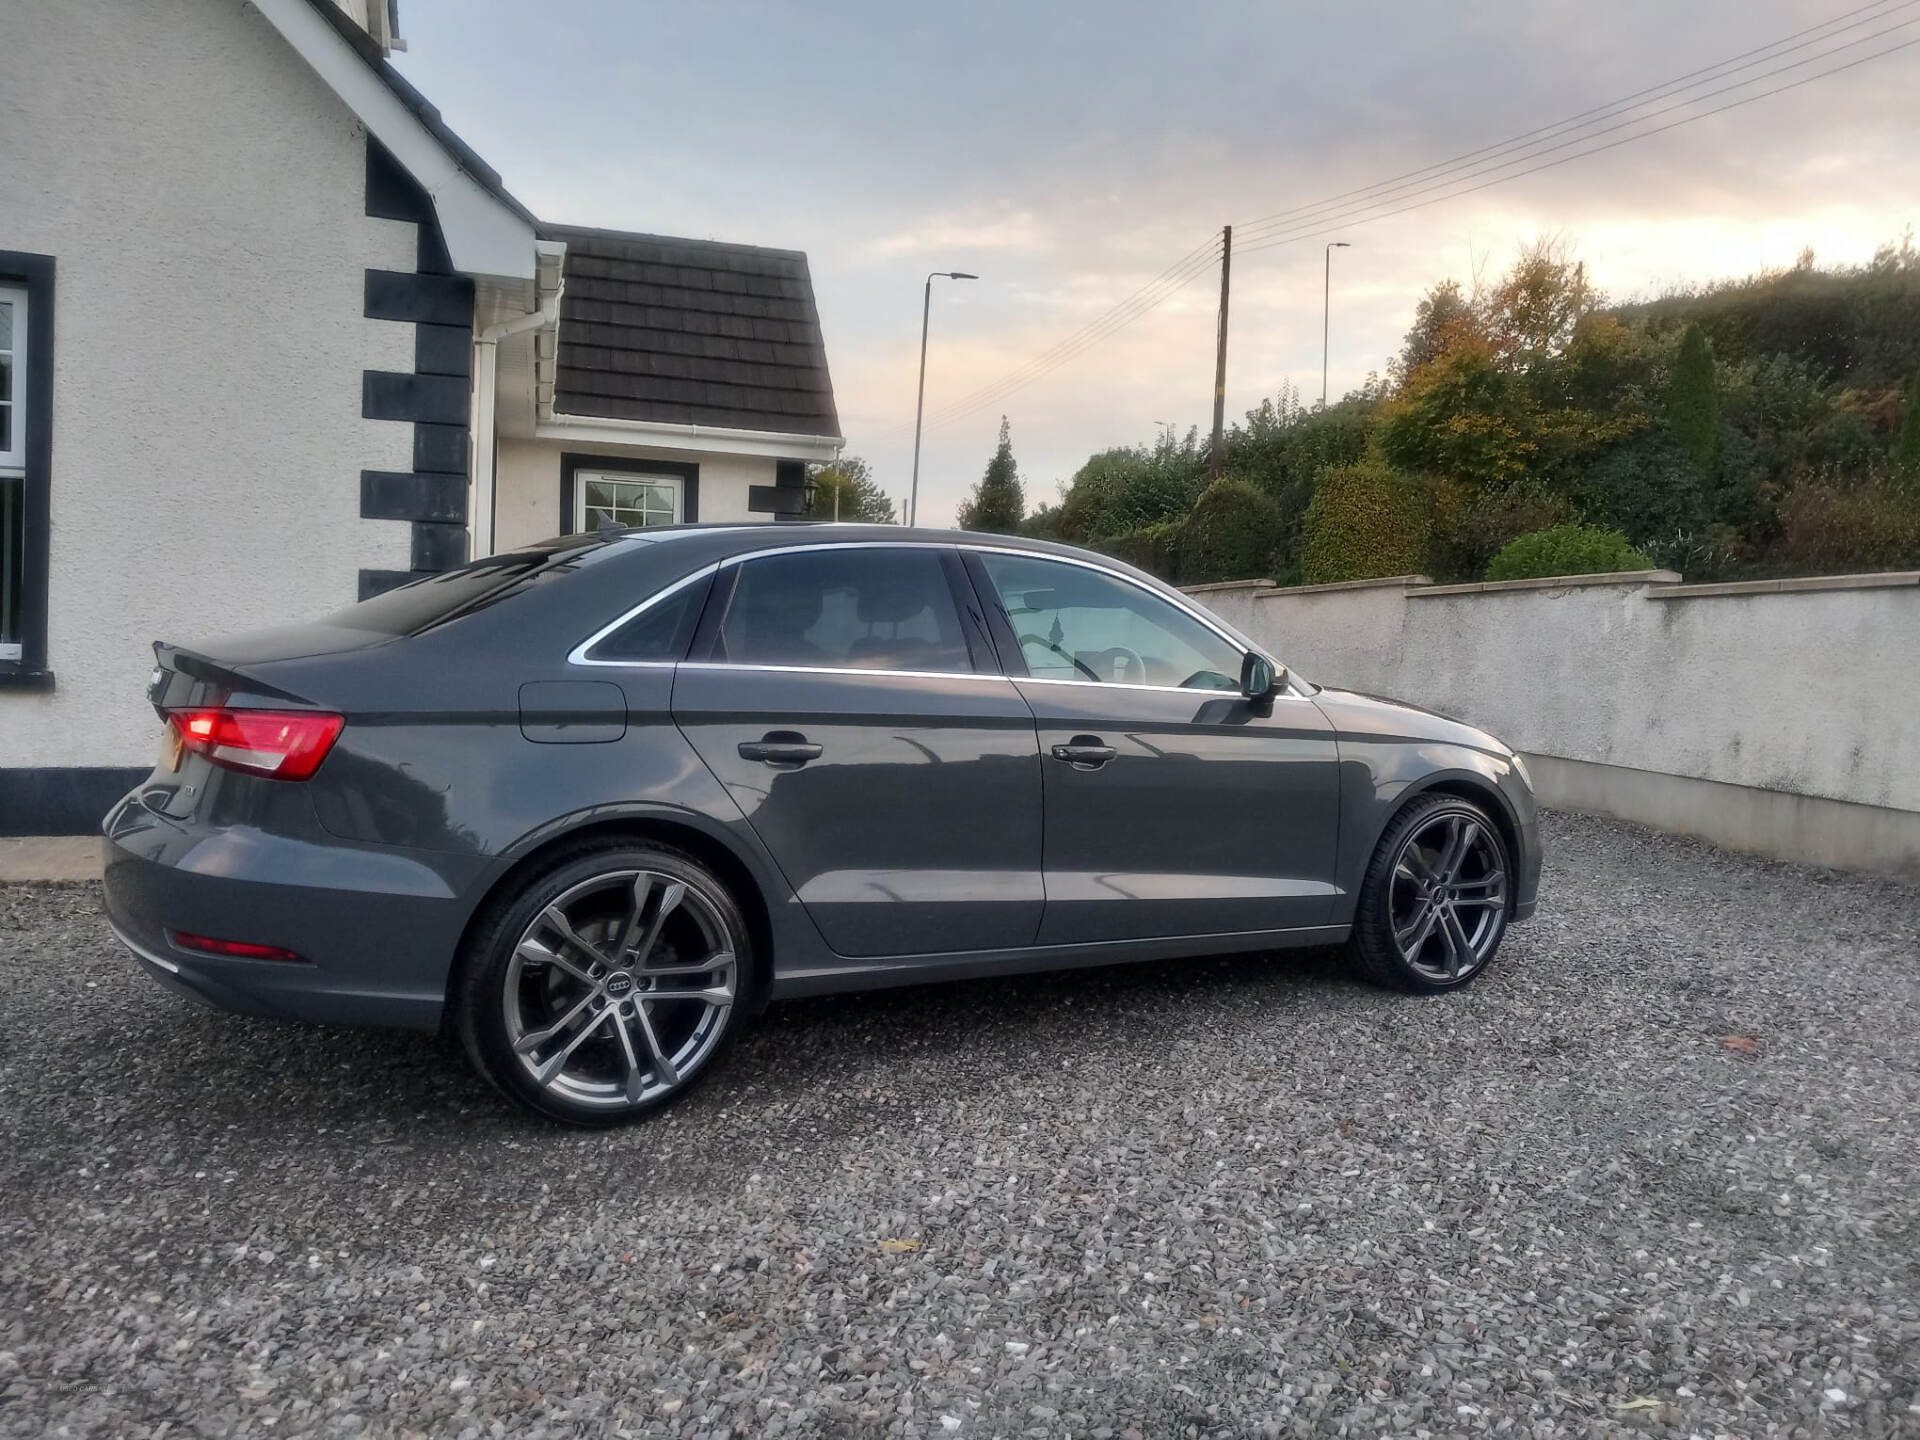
pixel 1693 404
pixel 1445 318
pixel 1531 315
pixel 846 490
pixel 1464 417
pixel 997 504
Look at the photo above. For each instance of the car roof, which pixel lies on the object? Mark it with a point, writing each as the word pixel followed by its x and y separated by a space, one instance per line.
pixel 723 540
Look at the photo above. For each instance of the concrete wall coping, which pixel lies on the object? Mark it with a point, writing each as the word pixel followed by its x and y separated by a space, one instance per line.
pixel 1219 585
pixel 1554 582
pixel 1888 580
pixel 1385 582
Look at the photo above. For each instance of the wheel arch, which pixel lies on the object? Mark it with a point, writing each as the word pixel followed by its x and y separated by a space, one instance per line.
pixel 1463 785
pixel 680 830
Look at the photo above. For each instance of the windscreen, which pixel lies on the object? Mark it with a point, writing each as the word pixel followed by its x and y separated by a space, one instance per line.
pixel 437 599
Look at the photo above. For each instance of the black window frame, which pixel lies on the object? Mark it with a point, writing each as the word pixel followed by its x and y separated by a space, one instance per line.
pixel 982 654
pixel 34 274
pixel 572 462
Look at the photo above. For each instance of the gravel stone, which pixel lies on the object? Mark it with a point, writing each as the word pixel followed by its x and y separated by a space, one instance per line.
pixel 1240 1197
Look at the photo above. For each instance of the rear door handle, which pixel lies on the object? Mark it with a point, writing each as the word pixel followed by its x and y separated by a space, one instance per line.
pixel 1085 752
pixel 783 749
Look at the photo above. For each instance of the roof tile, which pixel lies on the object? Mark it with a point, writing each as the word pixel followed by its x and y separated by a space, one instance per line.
pixel 691 332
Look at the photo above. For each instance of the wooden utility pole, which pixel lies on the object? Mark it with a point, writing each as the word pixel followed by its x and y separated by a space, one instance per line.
pixel 1217 455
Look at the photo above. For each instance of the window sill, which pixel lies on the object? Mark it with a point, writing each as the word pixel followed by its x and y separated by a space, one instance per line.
pixel 17 679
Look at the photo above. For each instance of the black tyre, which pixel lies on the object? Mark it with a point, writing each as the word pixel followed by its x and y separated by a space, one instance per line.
pixel 1433 906
pixel 607 986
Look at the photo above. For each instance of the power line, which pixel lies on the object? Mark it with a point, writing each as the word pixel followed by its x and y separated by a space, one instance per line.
pixel 1285 227
pixel 1595 150
pixel 1853 19
pixel 1278 233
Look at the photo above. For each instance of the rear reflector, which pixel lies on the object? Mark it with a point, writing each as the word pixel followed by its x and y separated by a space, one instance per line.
pixel 238 949
pixel 282 744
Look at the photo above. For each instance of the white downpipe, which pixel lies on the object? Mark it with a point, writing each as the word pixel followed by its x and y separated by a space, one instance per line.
pixel 486 372
pixel 480 506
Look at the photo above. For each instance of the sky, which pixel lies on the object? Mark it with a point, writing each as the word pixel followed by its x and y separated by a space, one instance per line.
pixel 1069 153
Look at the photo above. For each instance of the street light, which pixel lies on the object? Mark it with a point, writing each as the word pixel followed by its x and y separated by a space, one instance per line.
pixel 920 404
pixel 1326 316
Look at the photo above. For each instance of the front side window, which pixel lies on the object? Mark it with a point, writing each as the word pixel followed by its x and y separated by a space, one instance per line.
pixel 855 609
pixel 1074 623
pixel 13 460
pixel 626 500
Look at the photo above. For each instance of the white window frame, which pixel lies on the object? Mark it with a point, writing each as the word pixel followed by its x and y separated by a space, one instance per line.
pixel 584 477
pixel 13 462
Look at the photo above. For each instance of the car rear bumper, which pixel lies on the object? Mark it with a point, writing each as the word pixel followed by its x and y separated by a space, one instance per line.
pixel 376 930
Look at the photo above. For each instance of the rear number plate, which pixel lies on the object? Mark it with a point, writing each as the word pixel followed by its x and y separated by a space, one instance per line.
pixel 170 747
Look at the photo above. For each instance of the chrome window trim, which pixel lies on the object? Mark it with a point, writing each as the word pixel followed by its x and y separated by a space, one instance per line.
pixel 844 670
pixel 578 655
pixel 1123 687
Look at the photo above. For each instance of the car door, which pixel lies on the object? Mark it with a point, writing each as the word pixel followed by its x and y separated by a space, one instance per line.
pixel 847 697
pixel 1174 805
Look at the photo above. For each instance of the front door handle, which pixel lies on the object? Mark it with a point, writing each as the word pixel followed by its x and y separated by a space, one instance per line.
pixel 782 749
pixel 1085 752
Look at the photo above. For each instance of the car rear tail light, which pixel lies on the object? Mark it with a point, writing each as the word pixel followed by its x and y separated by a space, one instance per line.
pixel 281 744
pixel 236 949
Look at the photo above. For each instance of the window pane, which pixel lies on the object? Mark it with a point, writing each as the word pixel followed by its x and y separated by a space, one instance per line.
pixel 6 325
pixel 637 502
pixel 857 609
pixel 12 553
pixel 660 632
pixel 6 428
pixel 490 580
pixel 1079 624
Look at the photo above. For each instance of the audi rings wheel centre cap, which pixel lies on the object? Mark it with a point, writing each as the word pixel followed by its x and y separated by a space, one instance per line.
pixel 619 985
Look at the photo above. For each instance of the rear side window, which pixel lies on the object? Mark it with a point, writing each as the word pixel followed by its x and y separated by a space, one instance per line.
pixel 661 631
pixel 855 609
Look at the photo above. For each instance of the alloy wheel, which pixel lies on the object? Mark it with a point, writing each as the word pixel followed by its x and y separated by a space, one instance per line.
pixel 620 989
pixel 1447 900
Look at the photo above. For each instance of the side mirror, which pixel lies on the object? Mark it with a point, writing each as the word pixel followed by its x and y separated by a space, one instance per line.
pixel 1260 677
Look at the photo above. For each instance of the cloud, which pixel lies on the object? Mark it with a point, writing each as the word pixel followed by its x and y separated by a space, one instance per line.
pixel 1021 232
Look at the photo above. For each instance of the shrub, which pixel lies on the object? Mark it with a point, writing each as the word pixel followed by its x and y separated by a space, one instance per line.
pixel 1153 548
pixel 1649 489
pixel 1471 526
pixel 1906 460
pixel 1831 528
pixel 1566 550
pixel 1366 520
pixel 1230 535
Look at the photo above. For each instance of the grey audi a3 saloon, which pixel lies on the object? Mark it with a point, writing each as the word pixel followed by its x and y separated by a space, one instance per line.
pixel 595 802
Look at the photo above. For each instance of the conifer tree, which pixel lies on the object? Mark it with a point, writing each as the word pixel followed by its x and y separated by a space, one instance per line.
pixel 1693 407
pixel 997 504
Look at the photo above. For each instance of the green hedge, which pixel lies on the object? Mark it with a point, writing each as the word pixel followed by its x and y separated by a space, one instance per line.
pixel 1230 535
pixel 1366 520
pixel 1153 548
pixel 1566 550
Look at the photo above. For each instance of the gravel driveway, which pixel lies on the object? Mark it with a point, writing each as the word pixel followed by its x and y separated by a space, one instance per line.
pixel 1659 1172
